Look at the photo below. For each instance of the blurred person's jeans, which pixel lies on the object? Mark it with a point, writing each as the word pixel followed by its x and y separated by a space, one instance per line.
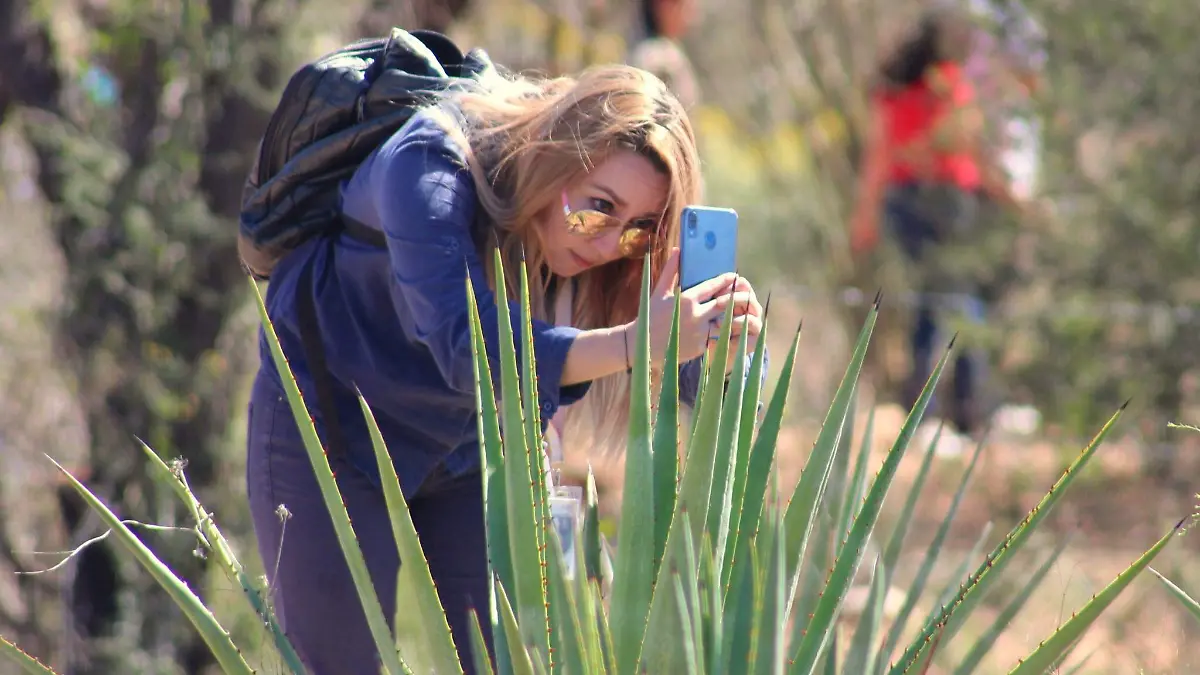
pixel 922 218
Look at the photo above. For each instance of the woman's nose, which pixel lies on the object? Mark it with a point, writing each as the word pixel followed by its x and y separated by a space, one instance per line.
pixel 609 245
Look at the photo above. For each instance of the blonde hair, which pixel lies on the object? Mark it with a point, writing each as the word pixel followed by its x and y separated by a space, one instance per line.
pixel 525 140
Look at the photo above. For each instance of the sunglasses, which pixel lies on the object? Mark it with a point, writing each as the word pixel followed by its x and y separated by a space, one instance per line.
pixel 635 237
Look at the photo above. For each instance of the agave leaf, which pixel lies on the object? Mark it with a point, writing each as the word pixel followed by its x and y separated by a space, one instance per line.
pixel 1050 651
pixel 518 654
pixel 695 594
pixel 423 636
pixel 741 610
pixel 666 443
pixel 846 565
pixel 862 654
pixel 659 654
pixel 528 592
pixel 958 580
pixel 566 641
pixel 222 552
pixel 831 665
pixel 803 506
pixel 483 665
pixel 751 407
pixel 591 528
pixel 720 503
pixel 702 470
pixel 714 607
pixel 762 450
pixel 932 552
pixel 491 451
pixel 840 498
pixel 895 545
pixel 751 404
pixel 215 636
pixel 584 609
pixel 634 575
pixel 769 643
pixel 606 637
pixel 971 661
pixel 680 581
pixel 1189 604
pixel 533 418
pixel 950 619
pixel 376 622
pixel 812 576
pixel 690 649
pixel 28 664
pixel 856 491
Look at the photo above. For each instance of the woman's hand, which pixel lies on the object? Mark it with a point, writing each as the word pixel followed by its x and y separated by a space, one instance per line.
pixel 747 318
pixel 701 309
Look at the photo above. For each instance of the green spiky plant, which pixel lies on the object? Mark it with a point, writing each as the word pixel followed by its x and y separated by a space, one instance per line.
pixel 712 572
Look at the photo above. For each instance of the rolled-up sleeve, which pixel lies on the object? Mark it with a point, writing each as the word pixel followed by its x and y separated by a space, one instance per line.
pixel 426 203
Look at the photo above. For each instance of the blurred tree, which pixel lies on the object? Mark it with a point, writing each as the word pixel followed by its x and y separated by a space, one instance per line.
pixel 144 121
pixel 1119 262
pixel 437 15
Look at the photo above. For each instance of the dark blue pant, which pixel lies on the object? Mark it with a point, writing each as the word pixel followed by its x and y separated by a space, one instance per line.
pixel 313 592
pixel 921 218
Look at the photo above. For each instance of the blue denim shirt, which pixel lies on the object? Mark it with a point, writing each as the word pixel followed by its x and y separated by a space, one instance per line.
pixel 395 325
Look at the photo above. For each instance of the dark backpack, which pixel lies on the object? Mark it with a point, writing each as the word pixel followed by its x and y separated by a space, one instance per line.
pixel 332 114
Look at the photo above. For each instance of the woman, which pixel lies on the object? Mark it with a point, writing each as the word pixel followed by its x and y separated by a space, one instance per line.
pixel 581 177
pixel 925 169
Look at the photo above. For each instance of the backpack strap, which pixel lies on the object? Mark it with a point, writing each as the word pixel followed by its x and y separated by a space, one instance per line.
pixel 310 333
pixel 362 232
pixel 314 355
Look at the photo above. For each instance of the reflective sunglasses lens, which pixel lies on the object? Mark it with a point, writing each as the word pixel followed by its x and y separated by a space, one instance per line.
pixel 635 242
pixel 588 222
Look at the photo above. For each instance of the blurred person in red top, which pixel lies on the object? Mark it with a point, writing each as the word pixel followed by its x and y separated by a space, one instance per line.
pixel 922 175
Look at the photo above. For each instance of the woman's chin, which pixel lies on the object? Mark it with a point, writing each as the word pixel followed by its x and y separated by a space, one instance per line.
pixel 566 266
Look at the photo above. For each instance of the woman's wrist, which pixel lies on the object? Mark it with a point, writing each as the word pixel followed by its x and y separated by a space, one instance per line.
pixel 598 353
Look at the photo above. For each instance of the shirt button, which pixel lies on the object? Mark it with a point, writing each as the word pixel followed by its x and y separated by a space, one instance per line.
pixel 451 246
pixel 546 407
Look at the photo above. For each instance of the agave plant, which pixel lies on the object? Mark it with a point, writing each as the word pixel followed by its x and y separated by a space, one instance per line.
pixel 712 571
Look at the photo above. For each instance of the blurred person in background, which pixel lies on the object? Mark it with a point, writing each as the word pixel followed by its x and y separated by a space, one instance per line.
pixel 659 27
pixel 922 175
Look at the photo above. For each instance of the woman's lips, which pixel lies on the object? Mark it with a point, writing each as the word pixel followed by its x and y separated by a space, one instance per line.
pixel 582 261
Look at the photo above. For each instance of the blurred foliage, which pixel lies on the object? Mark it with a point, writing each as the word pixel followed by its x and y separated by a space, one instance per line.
pixel 129 127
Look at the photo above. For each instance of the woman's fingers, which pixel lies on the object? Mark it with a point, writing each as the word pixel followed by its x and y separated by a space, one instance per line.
pixel 747 323
pixel 707 290
pixel 743 302
pixel 714 314
pixel 734 282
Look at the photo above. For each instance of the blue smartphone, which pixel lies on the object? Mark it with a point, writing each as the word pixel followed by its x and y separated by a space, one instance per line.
pixel 708 244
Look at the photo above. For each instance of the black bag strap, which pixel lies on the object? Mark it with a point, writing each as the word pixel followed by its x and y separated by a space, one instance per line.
pixel 310 333
pixel 314 354
pixel 360 231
